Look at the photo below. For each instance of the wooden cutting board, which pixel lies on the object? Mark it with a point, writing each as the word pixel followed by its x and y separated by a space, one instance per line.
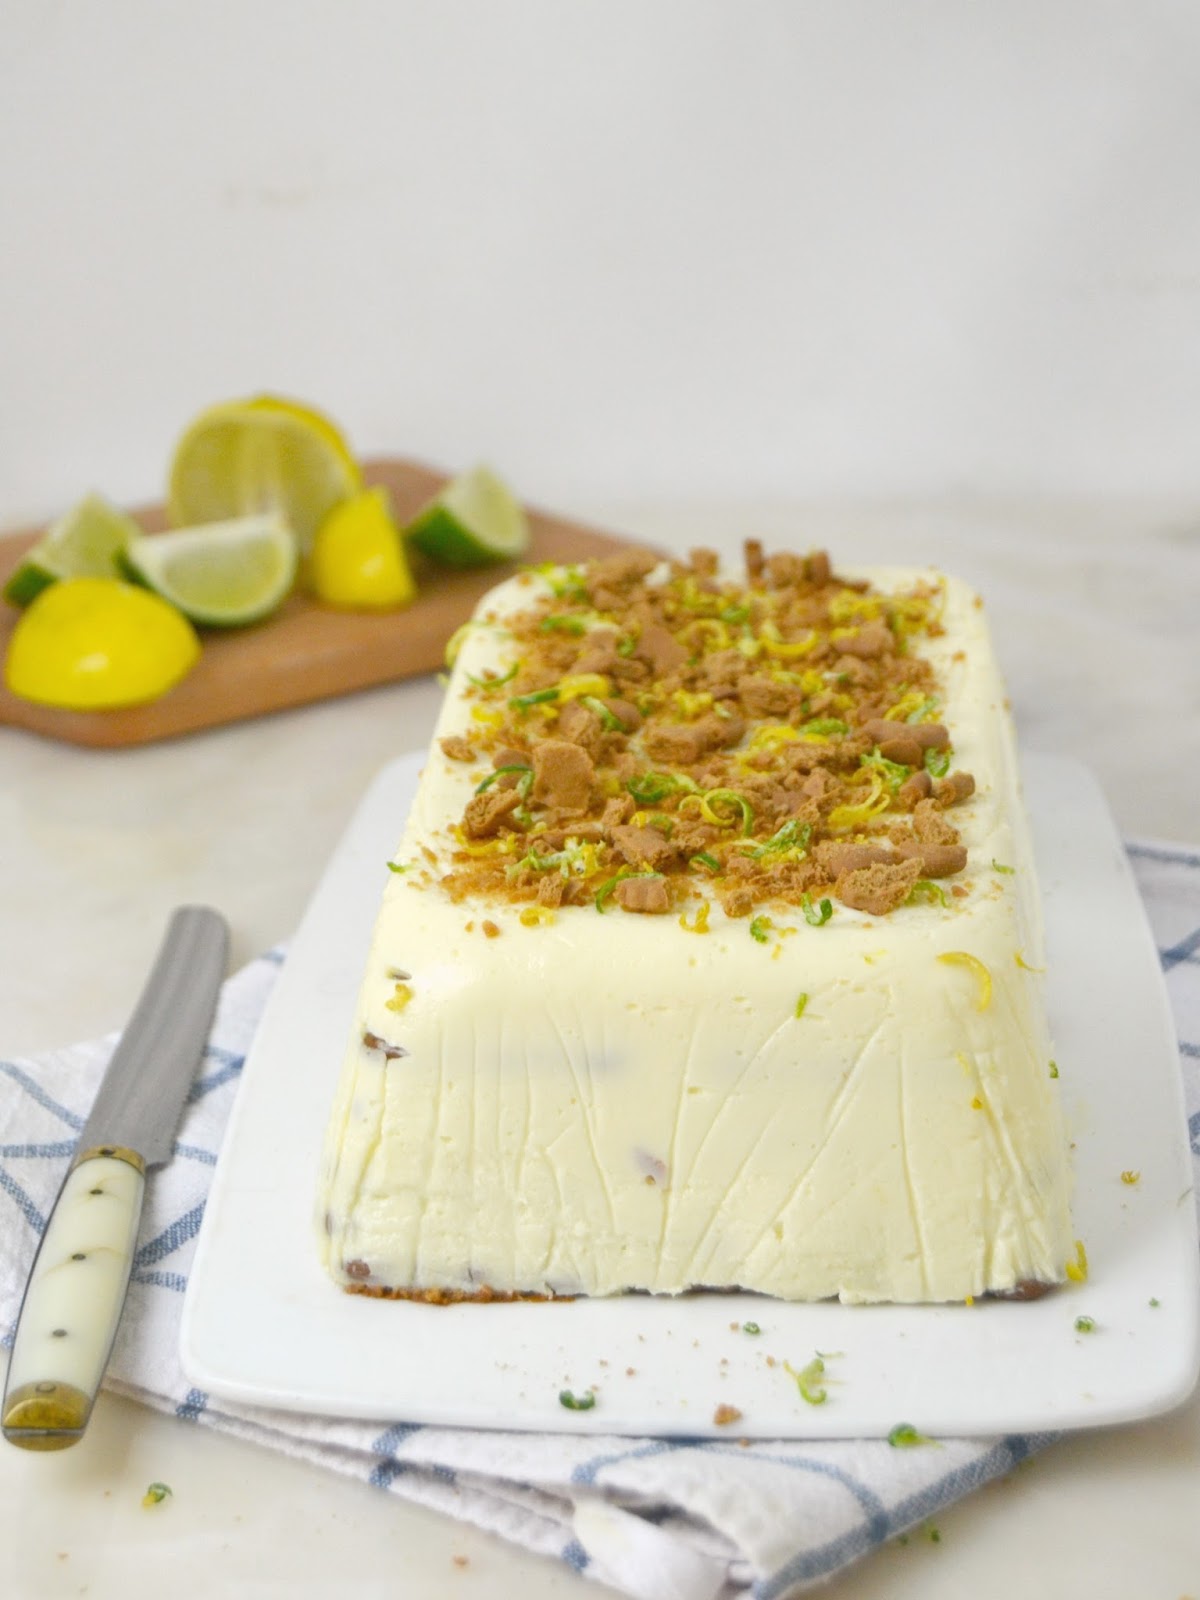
pixel 305 651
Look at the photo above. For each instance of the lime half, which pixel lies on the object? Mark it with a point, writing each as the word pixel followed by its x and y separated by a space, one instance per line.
pixel 475 519
pixel 85 543
pixel 222 574
pixel 261 455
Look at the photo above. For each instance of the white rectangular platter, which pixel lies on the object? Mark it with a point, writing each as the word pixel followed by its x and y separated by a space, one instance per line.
pixel 264 1325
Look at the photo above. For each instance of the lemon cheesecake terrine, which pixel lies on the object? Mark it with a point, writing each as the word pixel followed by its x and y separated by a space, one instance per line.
pixel 711 956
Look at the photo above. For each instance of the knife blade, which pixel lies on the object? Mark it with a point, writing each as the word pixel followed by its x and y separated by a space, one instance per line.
pixel 77 1284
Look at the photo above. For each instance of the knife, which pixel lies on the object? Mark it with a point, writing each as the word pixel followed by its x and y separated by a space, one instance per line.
pixel 76 1289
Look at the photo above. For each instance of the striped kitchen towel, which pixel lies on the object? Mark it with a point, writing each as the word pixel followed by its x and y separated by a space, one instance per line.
pixel 670 1519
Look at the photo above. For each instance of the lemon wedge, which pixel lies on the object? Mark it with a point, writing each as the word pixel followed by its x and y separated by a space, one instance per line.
pixel 474 520
pixel 358 560
pixel 264 454
pixel 222 574
pixel 88 644
pixel 85 543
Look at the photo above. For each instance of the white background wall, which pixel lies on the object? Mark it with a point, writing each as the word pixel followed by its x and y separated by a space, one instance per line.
pixel 621 248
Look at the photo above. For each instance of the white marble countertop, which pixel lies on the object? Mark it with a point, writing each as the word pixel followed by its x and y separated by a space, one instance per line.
pixel 1093 606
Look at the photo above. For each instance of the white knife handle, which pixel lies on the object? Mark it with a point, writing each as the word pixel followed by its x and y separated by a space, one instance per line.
pixel 73 1300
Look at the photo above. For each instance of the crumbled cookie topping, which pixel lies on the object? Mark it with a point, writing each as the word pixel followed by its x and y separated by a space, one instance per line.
pixel 775 741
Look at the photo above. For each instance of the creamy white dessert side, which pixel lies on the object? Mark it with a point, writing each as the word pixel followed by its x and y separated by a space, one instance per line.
pixel 712 957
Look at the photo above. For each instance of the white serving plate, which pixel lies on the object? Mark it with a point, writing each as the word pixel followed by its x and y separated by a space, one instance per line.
pixel 264 1325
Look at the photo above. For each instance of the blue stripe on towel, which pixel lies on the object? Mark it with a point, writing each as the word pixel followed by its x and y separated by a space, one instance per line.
pixel 1176 857
pixel 575 1556
pixel 827 1558
pixel 191 1405
pixel 178 1233
pixel 1188 949
pixel 35 1092
pixel 24 1204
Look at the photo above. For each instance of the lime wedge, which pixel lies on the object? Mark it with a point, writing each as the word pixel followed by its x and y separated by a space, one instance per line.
pixel 475 519
pixel 85 543
pixel 261 455
pixel 222 574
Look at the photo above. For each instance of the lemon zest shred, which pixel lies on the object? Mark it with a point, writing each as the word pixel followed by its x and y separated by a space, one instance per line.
pixel 793 650
pixel 581 683
pixel 401 995
pixel 843 818
pixel 1077 1270
pixel 962 958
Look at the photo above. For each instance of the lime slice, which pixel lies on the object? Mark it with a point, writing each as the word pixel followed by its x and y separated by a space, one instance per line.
pixel 223 574
pixel 84 543
pixel 475 519
pixel 358 559
pixel 261 455
pixel 89 644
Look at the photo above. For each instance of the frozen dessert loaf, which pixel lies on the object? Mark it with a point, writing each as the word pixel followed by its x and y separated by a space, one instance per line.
pixel 711 956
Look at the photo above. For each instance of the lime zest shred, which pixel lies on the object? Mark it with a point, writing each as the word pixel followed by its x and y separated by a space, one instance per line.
pixel 962 958
pixel 925 890
pixel 998 866
pixel 487 684
pixel 1054 1069
pixel 515 766
pixel 576 1402
pixel 156 1493
pixel 816 916
pixel 699 923
pixel 925 712
pixel 609 721
pixel 399 866
pixel 537 697
pixel 1077 1270
pixel 1023 964
pixel 1085 1324
pixel 760 929
pixel 893 773
pixel 801 1003
pixel 790 840
pixel 561 622
pixel 565 582
pixel 752 1328
pixel 703 859
pixel 1130 1177
pixel 727 798
pixel 818 728
pixel 808 1381
pixel 905 1437
pixel 654 787
pixel 937 762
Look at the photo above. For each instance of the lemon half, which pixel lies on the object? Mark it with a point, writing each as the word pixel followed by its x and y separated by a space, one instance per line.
pixel 264 454
pixel 89 644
